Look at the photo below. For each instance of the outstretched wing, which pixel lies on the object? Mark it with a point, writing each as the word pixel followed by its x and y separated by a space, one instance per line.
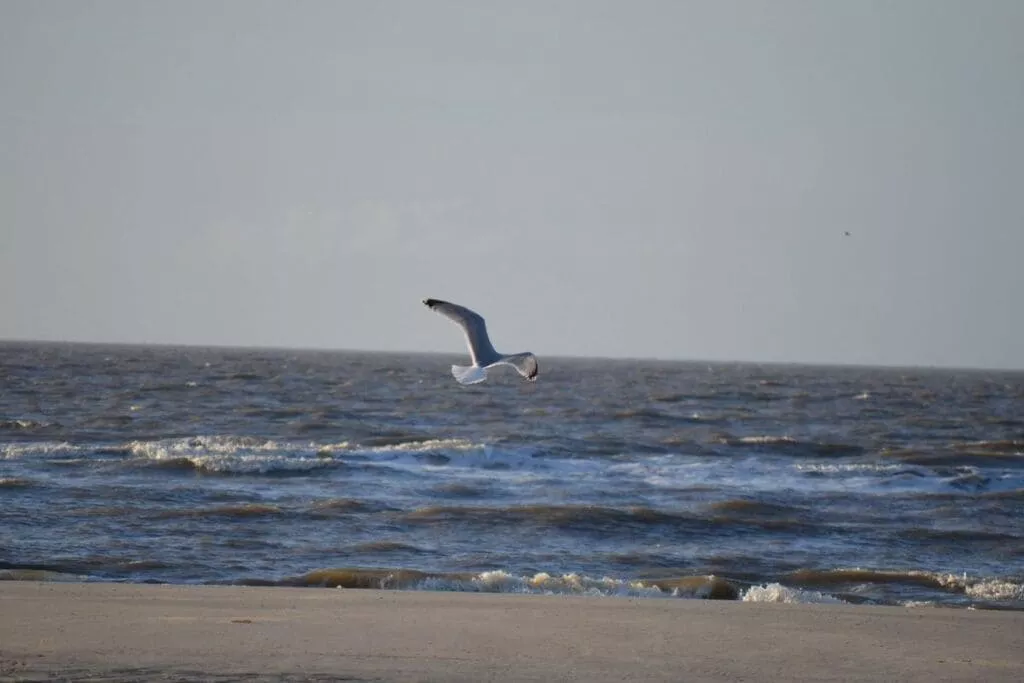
pixel 480 349
pixel 524 363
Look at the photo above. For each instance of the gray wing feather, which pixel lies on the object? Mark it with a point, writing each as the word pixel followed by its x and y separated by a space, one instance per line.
pixel 473 325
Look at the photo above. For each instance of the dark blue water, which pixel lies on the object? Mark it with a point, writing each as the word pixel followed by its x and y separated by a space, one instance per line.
pixel 192 465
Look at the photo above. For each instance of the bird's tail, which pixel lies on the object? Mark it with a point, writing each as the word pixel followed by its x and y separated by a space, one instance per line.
pixel 468 374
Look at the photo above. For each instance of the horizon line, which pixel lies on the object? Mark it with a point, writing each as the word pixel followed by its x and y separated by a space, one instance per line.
pixel 649 359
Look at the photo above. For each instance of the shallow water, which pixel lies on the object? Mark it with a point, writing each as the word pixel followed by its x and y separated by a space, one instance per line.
pixel 192 465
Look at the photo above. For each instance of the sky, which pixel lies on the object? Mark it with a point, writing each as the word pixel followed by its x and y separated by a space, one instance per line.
pixel 597 178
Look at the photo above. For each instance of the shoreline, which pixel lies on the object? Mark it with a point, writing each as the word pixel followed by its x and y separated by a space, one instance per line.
pixel 120 632
pixel 806 587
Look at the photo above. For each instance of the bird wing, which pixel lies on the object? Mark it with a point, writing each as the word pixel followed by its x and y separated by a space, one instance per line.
pixel 472 324
pixel 525 364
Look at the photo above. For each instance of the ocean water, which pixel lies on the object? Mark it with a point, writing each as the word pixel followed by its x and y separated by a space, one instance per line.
pixel 640 478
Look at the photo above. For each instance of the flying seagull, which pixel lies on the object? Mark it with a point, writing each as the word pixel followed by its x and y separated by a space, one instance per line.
pixel 481 352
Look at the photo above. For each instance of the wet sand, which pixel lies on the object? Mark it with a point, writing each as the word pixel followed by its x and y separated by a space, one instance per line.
pixel 115 632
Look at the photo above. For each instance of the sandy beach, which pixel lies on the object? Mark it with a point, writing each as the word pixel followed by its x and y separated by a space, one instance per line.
pixel 114 632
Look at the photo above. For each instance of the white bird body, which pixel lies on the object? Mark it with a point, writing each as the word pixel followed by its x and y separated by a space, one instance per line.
pixel 481 352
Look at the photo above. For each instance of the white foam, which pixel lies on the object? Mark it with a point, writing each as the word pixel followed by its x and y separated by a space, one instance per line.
pixel 427 446
pixel 544 584
pixel 12 451
pixel 856 468
pixel 221 453
pixel 776 592
pixel 228 454
pixel 996 589
pixel 201 444
pixel 753 473
pixel 255 464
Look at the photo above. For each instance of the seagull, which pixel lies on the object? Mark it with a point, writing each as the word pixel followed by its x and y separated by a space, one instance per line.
pixel 481 352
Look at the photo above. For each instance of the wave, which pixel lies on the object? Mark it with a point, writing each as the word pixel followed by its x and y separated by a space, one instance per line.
pixel 46 449
pixel 996 590
pixel 992 589
pixel 851 585
pixel 788 445
pixel 242 464
pixel 869 468
pixel 776 592
pixel 227 454
pixel 499 581
pixel 577 517
pixel 76 569
pixel 838 577
pixel 657 417
pixel 605 520
pixel 21 425
pixel 16 483
pixel 255 455
pixel 399 446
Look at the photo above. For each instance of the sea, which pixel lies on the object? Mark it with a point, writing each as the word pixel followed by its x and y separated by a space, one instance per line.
pixel 610 478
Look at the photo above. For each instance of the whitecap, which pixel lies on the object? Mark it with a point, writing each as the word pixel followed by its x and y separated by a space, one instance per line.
pixel 13 451
pixel 996 589
pixel 776 592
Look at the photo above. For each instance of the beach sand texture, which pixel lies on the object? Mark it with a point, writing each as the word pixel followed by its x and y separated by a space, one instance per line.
pixel 114 632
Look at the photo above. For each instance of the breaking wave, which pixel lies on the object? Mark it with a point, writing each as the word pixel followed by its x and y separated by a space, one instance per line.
pixel 227 454
pixel 987 589
pixel 776 592
pixel 499 581
pixel 12 451
pixel 220 454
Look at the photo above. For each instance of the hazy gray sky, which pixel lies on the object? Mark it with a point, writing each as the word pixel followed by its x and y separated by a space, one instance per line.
pixel 653 179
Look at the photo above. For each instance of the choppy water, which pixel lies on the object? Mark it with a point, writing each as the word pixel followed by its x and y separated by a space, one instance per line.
pixel 192 465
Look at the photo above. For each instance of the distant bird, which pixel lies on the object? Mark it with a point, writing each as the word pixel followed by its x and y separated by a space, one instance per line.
pixel 846 233
pixel 481 352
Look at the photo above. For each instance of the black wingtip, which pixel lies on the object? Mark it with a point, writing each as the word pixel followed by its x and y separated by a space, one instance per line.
pixel 432 302
pixel 532 377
